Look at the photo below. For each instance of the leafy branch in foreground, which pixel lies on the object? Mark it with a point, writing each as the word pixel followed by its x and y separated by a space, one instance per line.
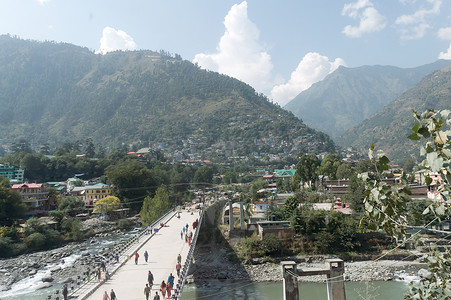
pixel 386 206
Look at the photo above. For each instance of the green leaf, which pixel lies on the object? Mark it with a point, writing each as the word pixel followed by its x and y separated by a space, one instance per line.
pixel 384 160
pixel 424 132
pixel 415 127
pixel 414 137
pixel 428 180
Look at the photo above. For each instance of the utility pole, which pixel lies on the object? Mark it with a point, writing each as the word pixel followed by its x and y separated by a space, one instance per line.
pixel 230 217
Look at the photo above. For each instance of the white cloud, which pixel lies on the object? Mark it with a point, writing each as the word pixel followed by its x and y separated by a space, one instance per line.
pixel 239 53
pixel 312 68
pixel 43 1
pixel 415 26
pixel 370 19
pixel 113 40
pixel 445 34
pixel 445 55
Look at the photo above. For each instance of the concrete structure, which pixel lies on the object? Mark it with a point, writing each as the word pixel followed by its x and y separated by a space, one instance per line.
pixel 281 229
pixel 334 273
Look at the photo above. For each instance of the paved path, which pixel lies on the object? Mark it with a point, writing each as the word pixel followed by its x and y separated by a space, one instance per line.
pixel 163 247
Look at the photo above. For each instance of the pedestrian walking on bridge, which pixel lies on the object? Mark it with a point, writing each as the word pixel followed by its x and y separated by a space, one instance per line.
pixel 146 255
pixel 113 295
pixel 150 278
pixel 147 291
pixel 136 257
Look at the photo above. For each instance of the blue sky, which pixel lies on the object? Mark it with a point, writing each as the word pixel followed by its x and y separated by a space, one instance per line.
pixel 278 47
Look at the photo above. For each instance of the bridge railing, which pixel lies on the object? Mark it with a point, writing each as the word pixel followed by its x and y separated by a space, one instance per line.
pixel 86 285
pixel 184 272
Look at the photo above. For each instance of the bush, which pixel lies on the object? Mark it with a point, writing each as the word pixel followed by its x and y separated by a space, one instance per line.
pixel 323 242
pixel 5 247
pixel 124 224
pixel 271 244
pixel 249 247
pixel 36 241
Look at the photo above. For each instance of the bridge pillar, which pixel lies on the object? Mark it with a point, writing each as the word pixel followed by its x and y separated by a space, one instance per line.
pixel 290 282
pixel 335 282
pixel 241 215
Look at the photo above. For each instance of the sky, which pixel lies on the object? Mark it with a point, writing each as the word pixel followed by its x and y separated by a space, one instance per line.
pixel 280 48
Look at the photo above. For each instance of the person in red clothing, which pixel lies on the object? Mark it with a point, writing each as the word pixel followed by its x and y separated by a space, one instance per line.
pixel 163 289
pixel 136 257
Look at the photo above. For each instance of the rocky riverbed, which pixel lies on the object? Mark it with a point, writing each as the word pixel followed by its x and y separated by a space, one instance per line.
pixel 210 267
pixel 66 264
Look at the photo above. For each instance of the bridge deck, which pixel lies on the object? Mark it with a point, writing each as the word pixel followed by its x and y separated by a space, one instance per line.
pixel 163 247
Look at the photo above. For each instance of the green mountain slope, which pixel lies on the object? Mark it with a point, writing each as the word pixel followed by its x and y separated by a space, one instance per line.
pixel 350 95
pixel 51 93
pixel 388 129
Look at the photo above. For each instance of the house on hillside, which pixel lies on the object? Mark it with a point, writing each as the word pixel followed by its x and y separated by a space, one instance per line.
pixel 14 174
pixel 96 192
pixel 281 229
pixel 35 197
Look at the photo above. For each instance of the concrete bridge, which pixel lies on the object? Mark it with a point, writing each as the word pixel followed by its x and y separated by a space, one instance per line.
pixel 128 279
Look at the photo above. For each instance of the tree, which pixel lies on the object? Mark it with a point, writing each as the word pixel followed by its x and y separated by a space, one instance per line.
pixel 131 180
pixel 106 205
pixel 409 164
pixel 90 148
pixel 306 168
pixel 155 207
pixel 203 175
pixel 71 205
pixel 386 207
pixel 344 171
pixel 11 206
pixel 329 165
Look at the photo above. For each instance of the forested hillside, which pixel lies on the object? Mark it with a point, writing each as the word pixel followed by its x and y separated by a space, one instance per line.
pixel 350 95
pixel 52 93
pixel 389 128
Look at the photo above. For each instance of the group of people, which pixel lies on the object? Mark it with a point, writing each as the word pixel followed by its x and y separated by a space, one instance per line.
pixel 188 234
pixel 112 295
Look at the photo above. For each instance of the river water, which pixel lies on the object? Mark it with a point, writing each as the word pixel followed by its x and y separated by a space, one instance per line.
pixel 29 288
pixel 377 290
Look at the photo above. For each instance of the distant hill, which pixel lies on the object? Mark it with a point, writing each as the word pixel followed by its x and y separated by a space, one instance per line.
pixel 349 95
pixel 52 93
pixel 388 129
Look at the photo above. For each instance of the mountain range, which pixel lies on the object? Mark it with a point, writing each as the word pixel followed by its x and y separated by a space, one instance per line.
pixel 388 128
pixel 348 96
pixel 57 92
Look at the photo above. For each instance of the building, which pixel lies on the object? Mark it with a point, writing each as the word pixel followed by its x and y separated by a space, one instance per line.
pixel 96 192
pixel 34 196
pixel 14 174
pixel 281 229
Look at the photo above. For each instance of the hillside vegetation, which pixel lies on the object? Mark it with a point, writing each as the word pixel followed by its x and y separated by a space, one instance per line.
pixel 51 93
pixel 388 129
pixel 349 95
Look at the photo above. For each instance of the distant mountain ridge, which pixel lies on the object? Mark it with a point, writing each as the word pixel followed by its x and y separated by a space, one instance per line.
pixel 52 93
pixel 349 95
pixel 388 129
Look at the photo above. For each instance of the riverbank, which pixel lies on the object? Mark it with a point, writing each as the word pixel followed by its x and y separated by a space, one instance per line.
pixel 218 265
pixel 65 264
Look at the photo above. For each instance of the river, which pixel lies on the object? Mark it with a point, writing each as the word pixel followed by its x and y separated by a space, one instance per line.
pixel 378 290
pixel 29 288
